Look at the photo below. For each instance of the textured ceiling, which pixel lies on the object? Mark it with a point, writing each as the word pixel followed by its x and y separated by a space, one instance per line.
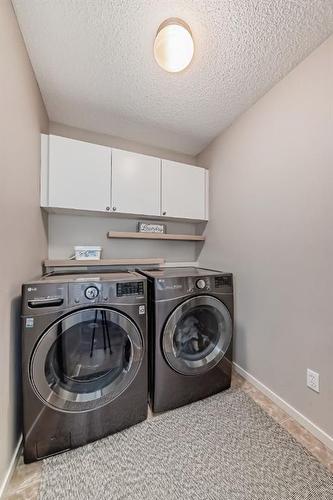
pixel 94 62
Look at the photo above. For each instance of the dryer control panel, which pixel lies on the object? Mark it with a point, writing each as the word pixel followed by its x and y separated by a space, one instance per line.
pixel 168 288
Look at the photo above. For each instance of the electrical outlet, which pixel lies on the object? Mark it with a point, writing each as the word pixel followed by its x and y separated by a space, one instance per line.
pixel 312 380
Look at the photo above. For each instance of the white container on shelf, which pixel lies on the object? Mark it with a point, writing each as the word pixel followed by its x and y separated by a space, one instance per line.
pixel 87 252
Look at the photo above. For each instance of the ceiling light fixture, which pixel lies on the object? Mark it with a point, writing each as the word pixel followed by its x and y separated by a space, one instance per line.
pixel 173 47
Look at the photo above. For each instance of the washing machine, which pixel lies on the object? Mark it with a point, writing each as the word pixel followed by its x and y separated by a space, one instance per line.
pixel 84 359
pixel 190 335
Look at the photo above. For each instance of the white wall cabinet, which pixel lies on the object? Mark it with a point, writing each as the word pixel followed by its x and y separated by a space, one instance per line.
pixel 184 191
pixel 79 175
pixel 135 183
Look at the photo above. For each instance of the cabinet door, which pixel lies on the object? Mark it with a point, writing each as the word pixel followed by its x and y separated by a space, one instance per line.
pixel 79 174
pixel 183 190
pixel 135 183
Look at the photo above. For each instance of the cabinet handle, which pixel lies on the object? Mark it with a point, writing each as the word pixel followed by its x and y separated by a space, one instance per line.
pixel 114 208
pixel 163 213
pixel 107 208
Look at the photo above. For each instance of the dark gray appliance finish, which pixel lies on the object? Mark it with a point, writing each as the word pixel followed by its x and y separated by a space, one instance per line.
pixel 190 335
pixel 84 350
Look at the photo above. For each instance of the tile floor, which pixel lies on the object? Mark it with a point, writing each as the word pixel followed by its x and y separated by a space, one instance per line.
pixel 24 484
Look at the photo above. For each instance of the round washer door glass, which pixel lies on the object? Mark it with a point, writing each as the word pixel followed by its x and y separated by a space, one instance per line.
pixel 197 335
pixel 86 359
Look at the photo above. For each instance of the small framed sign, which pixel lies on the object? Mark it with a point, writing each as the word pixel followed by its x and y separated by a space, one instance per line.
pixel 144 227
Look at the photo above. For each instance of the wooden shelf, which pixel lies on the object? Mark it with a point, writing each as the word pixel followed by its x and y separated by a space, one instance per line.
pixel 104 262
pixel 155 236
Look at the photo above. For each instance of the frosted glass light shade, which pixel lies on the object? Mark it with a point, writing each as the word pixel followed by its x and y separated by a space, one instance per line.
pixel 173 47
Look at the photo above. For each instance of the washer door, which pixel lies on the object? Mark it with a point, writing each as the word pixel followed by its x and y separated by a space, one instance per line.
pixel 197 335
pixel 86 359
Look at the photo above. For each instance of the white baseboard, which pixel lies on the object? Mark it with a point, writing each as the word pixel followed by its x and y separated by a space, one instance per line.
pixel 11 468
pixel 290 410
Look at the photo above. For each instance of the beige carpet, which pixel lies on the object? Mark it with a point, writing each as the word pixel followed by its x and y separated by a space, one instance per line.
pixel 222 448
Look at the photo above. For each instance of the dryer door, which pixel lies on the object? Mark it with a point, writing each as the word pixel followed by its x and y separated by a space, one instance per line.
pixel 197 335
pixel 86 359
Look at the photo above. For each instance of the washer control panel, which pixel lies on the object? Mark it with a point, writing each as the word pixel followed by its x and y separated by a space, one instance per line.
pixel 97 292
pixel 85 293
pixel 61 292
pixel 91 292
pixel 224 281
pixel 130 288
pixel 201 284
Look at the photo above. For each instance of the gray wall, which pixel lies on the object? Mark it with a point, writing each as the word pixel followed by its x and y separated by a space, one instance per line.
pixel 23 234
pixel 271 180
pixel 65 231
